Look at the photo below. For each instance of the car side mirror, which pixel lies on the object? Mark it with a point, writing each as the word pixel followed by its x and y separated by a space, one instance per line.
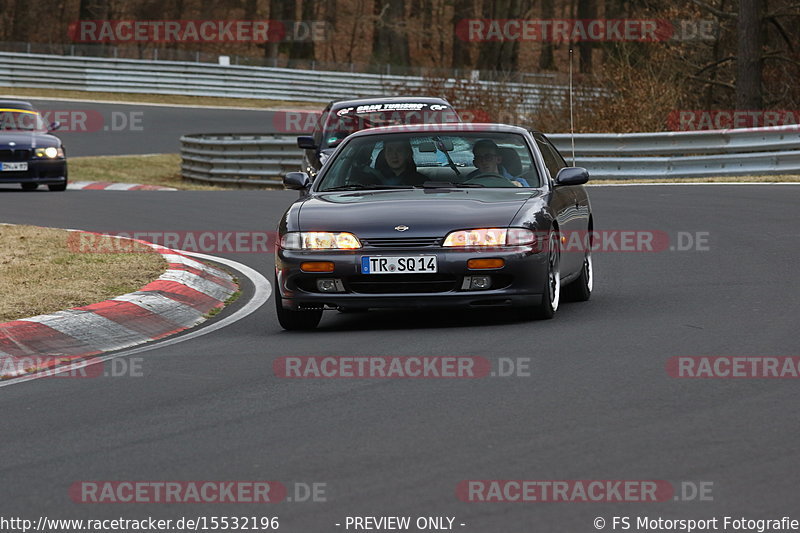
pixel 572 176
pixel 296 180
pixel 54 126
pixel 306 142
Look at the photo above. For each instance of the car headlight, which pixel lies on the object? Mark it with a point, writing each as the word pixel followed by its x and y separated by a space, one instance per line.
pixel 319 240
pixel 51 152
pixel 490 237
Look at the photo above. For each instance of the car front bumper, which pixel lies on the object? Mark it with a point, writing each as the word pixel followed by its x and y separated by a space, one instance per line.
pixel 520 282
pixel 41 171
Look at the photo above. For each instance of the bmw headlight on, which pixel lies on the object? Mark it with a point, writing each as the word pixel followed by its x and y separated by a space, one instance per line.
pixel 489 237
pixel 319 240
pixel 51 152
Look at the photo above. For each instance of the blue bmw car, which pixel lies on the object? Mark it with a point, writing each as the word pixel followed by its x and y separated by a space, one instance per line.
pixel 29 154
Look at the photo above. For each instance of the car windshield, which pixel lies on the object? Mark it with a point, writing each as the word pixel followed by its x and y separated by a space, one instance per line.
pixel 349 120
pixel 432 159
pixel 21 120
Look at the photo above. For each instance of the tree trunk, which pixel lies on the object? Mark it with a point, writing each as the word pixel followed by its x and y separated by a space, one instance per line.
pixel 748 61
pixel 614 9
pixel 390 40
pixel 461 48
pixel 546 61
pixel 305 49
pixel 499 55
pixel 279 10
pixel 92 9
pixel 587 9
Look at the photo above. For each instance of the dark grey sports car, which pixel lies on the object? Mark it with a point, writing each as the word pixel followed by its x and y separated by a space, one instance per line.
pixel 465 215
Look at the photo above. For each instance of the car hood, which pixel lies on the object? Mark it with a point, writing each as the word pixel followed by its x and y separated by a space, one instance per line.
pixel 25 141
pixel 426 212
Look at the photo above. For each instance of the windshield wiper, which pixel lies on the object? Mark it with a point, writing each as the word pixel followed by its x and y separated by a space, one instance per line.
pixel 366 187
pixel 449 185
pixel 440 145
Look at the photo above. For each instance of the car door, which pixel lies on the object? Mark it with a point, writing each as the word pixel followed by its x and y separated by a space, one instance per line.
pixel 566 205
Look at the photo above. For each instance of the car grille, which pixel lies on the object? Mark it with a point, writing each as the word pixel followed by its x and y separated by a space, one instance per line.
pixel 401 283
pixel 402 242
pixel 9 156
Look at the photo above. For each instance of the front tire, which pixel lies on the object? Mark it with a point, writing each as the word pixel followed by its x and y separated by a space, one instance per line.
pixel 551 293
pixel 580 290
pixel 295 320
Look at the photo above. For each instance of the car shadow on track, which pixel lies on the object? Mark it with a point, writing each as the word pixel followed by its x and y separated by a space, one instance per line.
pixel 379 319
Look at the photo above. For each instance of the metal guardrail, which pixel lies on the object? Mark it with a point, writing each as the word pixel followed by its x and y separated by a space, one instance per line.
pixel 690 154
pixel 154 52
pixel 261 159
pixel 202 79
pixel 251 159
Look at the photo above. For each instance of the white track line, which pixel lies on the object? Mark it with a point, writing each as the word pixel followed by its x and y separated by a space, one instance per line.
pixel 261 293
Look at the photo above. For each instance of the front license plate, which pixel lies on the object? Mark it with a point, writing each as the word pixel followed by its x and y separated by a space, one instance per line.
pixel 424 264
pixel 9 167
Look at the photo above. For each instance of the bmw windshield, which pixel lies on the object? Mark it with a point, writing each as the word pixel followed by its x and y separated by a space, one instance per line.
pixel 16 120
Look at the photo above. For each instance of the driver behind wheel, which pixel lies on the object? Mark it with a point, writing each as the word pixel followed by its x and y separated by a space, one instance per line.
pixel 396 165
pixel 487 160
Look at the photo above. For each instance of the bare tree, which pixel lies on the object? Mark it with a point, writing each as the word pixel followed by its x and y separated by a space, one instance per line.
pixel 587 9
pixel 546 61
pixel 390 40
pixel 749 61
pixel 501 54
pixel 461 47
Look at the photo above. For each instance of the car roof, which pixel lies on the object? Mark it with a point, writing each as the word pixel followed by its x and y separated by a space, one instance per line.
pixel 16 104
pixel 338 104
pixel 442 128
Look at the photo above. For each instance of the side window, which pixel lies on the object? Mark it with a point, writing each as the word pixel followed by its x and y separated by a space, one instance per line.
pixel 552 159
pixel 320 121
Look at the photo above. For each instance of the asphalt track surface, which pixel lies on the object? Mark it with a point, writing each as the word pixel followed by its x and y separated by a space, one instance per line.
pixel 597 405
pixel 123 129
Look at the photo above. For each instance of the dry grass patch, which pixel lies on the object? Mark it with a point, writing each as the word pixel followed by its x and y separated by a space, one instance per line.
pixel 153 169
pixel 159 169
pixel 39 273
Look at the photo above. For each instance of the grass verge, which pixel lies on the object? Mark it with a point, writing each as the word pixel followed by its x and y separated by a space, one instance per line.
pixel 164 170
pixel 159 169
pixel 175 99
pixel 39 273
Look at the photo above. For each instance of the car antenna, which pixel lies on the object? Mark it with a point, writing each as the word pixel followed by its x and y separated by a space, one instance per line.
pixel 571 120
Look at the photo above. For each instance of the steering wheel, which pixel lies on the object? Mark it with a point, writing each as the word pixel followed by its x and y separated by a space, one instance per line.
pixel 364 175
pixel 490 179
